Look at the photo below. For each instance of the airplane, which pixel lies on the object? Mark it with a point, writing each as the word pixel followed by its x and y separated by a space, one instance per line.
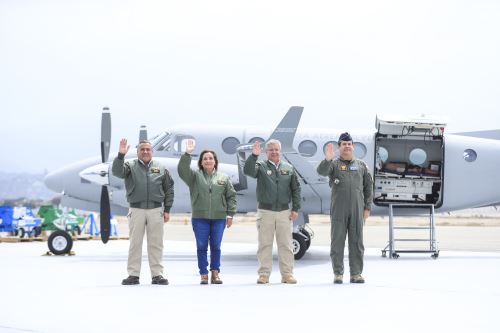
pixel 414 163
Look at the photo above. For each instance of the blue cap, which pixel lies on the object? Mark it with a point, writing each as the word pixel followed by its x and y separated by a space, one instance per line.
pixel 345 137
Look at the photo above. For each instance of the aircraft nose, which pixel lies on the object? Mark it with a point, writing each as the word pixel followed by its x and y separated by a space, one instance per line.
pixel 53 181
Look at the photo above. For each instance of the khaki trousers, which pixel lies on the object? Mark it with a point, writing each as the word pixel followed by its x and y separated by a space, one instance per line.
pixel 151 222
pixel 269 223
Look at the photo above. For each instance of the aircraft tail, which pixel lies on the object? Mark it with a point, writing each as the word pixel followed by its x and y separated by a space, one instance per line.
pixel 285 132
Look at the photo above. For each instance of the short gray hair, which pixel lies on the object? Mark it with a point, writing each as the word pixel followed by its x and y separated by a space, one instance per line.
pixel 144 142
pixel 273 142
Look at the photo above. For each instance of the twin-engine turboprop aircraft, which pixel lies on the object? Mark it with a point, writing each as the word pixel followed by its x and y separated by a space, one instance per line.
pixel 413 162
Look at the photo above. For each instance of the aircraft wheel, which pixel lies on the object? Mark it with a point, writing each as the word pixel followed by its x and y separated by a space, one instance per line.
pixel 308 235
pixel 60 242
pixel 37 231
pixel 395 256
pixel 21 232
pixel 299 246
pixel 78 230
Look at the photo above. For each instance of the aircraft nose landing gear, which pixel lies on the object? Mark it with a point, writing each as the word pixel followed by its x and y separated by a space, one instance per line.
pixel 60 242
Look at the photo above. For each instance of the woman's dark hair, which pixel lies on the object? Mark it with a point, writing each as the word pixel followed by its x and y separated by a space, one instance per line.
pixel 201 158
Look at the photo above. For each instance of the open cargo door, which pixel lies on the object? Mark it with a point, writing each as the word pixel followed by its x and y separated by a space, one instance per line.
pixel 409 160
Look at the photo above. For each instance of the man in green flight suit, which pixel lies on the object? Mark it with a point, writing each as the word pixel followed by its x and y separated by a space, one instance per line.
pixel 352 191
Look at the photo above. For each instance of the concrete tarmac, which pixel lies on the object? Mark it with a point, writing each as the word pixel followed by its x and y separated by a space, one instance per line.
pixel 453 233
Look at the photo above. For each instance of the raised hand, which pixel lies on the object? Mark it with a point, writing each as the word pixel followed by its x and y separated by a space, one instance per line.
pixel 123 147
pixel 329 152
pixel 190 144
pixel 256 149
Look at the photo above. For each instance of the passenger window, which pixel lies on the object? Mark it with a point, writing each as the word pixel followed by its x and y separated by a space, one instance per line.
pixel 359 150
pixel 308 148
pixel 229 145
pixel 470 155
pixel 335 145
pixel 255 139
pixel 418 156
pixel 382 154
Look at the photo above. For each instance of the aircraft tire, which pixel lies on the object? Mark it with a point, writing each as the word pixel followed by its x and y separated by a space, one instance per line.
pixel 21 232
pixel 60 242
pixel 37 231
pixel 299 246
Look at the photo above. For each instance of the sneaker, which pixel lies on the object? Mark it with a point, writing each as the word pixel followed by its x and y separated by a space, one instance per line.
pixel 357 278
pixel 130 280
pixel 289 279
pixel 204 279
pixel 159 280
pixel 338 279
pixel 263 279
pixel 215 279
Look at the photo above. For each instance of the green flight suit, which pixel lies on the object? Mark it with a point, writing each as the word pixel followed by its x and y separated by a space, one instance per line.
pixel 352 192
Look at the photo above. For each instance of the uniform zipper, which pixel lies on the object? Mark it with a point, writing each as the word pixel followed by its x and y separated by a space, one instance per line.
pixel 147 187
pixel 210 196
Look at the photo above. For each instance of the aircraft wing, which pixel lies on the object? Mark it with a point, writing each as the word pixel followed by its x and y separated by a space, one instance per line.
pixel 491 134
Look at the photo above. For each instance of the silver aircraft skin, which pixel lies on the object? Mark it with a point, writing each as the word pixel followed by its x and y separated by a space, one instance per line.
pixel 465 166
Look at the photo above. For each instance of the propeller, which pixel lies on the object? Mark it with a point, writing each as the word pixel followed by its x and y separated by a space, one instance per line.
pixel 143 133
pixel 105 208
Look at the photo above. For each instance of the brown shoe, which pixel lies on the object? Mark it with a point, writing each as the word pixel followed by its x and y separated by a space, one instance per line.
pixel 288 279
pixel 338 279
pixel 204 279
pixel 263 279
pixel 357 278
pixel 215 279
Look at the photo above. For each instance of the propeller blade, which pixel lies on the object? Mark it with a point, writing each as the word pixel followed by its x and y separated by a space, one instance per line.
pixel 105 215
pixel 143 133
pixel 105 134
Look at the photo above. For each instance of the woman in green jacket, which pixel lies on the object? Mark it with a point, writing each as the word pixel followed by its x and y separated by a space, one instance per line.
pixel 213 202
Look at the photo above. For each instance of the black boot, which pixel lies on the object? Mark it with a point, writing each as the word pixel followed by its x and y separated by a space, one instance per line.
pixel 130 280
pixel 159 280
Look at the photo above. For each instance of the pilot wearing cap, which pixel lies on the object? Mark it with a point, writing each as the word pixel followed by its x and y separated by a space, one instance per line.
pixel 352 193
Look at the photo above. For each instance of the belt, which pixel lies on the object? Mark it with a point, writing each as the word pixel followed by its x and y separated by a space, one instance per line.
pixel 145 204
pixel 278 208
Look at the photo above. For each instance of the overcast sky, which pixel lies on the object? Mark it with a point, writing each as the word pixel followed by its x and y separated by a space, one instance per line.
pixel 164 62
